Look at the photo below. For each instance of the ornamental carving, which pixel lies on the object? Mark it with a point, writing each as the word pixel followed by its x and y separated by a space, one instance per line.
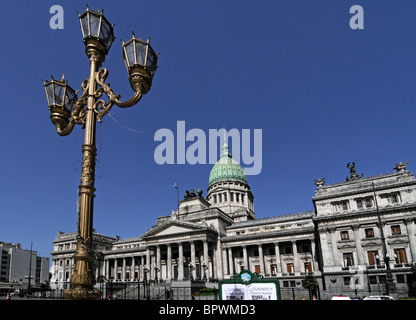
pixel 88 165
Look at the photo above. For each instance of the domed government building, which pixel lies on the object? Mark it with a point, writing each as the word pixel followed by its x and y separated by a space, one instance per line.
pixel 360 239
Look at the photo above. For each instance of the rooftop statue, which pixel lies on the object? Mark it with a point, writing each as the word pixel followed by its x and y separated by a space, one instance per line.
pixel 401 166
pixel 353 172
pixel 189 194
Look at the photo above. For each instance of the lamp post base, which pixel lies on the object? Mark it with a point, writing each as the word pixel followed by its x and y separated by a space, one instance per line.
pixel 82 293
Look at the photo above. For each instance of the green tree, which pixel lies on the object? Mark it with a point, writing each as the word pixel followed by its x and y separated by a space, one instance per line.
pixel 310 283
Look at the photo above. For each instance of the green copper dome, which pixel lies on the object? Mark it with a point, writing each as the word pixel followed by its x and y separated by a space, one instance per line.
pixel 227 169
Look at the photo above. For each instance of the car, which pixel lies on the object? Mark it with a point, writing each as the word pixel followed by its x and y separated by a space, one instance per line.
pixel 340 298
pixel 378 298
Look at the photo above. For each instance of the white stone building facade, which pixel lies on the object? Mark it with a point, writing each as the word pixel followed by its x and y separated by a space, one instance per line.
pixel 214 237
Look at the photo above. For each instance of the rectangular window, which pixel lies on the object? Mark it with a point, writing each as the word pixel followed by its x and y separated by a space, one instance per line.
pixel 348 259
pixel 369 233
pixel 308 266
pixel 345 235
pixel 372 258
pixel 382 279
pixel 395 230
pixel 400 278
pixel 400 255
pixel 366 202
pixel 393 198
pixel 340 206
pixel 290 268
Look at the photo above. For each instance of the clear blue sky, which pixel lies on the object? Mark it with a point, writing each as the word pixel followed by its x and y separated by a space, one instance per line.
pixel 323 94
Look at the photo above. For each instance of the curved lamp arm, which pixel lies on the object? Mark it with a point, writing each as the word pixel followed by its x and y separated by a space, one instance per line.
pixel 78 114
pixel 100 106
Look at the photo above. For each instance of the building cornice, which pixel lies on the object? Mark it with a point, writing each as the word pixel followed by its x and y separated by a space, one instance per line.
pixel 321 193
pixel 365 213
pixel 270 235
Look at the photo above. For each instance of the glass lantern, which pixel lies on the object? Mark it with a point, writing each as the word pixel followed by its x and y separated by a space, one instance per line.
pixel 61 101
pixel 96 27
pixel 141 63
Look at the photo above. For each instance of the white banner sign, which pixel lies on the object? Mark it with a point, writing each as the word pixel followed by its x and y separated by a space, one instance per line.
pixel 253 291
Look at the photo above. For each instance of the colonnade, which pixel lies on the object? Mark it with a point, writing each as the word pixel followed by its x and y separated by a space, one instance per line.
pixel 163 262
pixel 205 260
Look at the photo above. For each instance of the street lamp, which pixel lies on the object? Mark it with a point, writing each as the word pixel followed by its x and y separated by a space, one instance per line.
pixel 191 268
pixel 205 267
pixel 67 110
pixel 390 285
pixel 156 271
pixel 146 292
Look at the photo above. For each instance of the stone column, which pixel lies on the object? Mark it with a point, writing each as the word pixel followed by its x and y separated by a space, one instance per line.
pixel 157 263
pixel 277 254
pixel 169 262
pixel 132 269
pixel 261 257
pixel 334 248
pixel 140 268
pixel 315 265
pixel 107 268
pixel 180 266
pixel 148 276
pixel 219 268
pixel 358 247
pixel 193 260
pixel 410 226
pixel 246 266
pixel 327 256
pixel 123 269
pixel 295 257
pixel 225 270
pixel 115 269
pixel 230 261
pixel 206 259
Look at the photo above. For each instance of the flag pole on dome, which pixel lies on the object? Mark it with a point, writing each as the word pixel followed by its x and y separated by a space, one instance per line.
pixel 177 193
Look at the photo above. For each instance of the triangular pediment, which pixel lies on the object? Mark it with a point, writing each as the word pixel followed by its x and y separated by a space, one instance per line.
pixel 175 227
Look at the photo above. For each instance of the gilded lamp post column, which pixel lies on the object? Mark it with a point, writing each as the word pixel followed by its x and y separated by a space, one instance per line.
pixel 83 279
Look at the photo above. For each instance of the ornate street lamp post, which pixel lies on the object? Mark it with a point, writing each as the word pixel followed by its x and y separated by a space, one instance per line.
pixel 390 285
pixel 67 110
pixel 205 267
pixel 191 268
